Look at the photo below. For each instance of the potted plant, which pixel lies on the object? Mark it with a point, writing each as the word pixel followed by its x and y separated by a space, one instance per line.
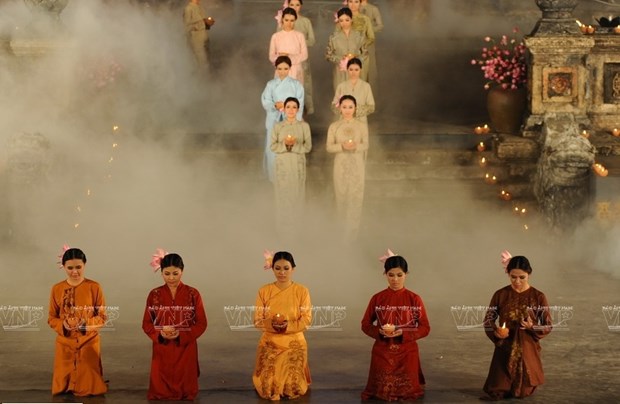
pixel 504 66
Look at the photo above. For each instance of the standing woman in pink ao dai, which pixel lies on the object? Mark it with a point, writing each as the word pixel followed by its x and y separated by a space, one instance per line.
pixel 291 43
pixel 303 25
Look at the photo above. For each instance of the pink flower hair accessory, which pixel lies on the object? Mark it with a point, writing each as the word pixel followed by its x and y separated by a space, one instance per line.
pixel 387 255
pixel 65 247
pixel 156 259
pixel 278 16
pixel 505 258
pixel 268 255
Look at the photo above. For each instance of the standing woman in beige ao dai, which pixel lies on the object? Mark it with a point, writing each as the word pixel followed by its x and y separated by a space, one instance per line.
pixel 374 14
pixel 359 89
pixel 344 44
pixel 347 138
pixel 290 141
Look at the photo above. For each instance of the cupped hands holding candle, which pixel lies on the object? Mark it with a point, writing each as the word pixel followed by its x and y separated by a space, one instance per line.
pixel 349 145
pixel 169 332
pixel 390 331
pixel 279 323
pixel 289 142
pixel 502 332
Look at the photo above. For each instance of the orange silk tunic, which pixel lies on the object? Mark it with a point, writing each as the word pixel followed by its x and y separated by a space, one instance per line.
pixel 77 360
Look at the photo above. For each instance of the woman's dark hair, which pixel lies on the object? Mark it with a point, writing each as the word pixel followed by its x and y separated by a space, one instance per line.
pixel 283 255
pixel 295 100
pixel 283 59
pixel 172 260
pixel 347 97
pixel 73 254
pixel 345 10
pixel 395 261
pixel 354 61
pixel 290 11
pixel 519 262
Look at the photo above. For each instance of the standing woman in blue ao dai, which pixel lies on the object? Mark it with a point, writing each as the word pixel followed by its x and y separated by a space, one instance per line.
pixel 276 91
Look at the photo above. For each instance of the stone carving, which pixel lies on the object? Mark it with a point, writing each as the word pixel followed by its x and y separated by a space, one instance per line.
pixel 563 177
pixel 615 85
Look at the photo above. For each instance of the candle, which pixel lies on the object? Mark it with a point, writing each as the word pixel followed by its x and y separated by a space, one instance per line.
pixel 590 29
pixel 503 331
pixel 616 30
pixel 615 132
pixel 585 134
pixel 493 179
pixel 478 130
pixel 600 170
pixel 485 128
pixel 483 162
pixel 289 140
pixel 481 147
pixel 504 195
pixel 388 328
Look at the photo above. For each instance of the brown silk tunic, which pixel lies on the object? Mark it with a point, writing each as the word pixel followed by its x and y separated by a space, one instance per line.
pixel 516 368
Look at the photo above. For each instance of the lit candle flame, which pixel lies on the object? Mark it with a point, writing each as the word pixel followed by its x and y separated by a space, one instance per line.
pixel 115 128
pixel 114 145
pixel 75 226
pixel 504 325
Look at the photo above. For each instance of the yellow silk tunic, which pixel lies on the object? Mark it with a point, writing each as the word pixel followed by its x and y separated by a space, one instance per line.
pixel 282 358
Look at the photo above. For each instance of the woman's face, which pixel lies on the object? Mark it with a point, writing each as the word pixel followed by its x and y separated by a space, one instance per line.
pixel 288 22
pixel 282 70
pixel 344 21
pixel 519 279
pixel 75 271
pixel 172 276
pixel 283 271
pixel 354 71
pixel 347 109
pixel 290 109
pixel 354 5
pixel 295 5
pixel 396 278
